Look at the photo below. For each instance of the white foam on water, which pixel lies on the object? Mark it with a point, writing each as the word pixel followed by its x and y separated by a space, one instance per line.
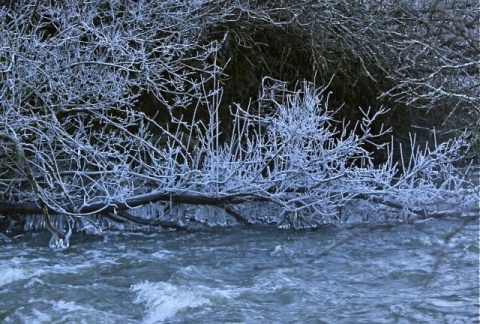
pixel 52 311
pixel 164 300
pixel 22 315
pixel 161 254
pixel 281 250
pixel 71 312
pixel 20 268
pixel 9 275
pixel 34 281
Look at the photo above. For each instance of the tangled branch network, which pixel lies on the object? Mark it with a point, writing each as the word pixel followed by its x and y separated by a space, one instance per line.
pixel 76 149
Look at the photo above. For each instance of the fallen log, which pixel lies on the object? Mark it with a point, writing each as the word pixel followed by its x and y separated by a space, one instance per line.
pixel 117 211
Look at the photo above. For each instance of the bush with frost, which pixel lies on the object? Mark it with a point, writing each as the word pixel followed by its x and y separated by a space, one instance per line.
pixel 75 142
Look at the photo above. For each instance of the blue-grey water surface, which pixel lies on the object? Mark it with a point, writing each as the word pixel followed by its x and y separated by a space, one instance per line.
pixel 402 273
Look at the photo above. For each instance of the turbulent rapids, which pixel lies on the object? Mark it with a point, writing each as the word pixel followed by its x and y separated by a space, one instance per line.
pixel 419 272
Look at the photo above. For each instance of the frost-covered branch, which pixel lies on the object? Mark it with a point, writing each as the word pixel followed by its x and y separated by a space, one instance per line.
pixel 77 141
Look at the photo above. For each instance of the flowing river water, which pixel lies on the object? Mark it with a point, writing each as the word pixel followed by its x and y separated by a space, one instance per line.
pixel 369 273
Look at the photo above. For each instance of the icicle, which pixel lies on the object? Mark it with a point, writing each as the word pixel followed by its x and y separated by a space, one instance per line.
pixel 61 243
pixel 5 238
pixel 56 242
pixel 28 223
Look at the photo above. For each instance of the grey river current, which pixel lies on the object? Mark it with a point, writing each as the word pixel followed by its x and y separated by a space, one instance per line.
pixel 424 272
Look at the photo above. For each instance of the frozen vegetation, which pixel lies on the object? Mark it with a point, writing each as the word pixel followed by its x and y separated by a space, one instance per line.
pixel 79 150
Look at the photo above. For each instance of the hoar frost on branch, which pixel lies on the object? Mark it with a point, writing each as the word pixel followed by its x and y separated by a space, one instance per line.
pixel 74 144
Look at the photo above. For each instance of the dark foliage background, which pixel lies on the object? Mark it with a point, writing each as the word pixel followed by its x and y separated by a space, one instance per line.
pixel 418 58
